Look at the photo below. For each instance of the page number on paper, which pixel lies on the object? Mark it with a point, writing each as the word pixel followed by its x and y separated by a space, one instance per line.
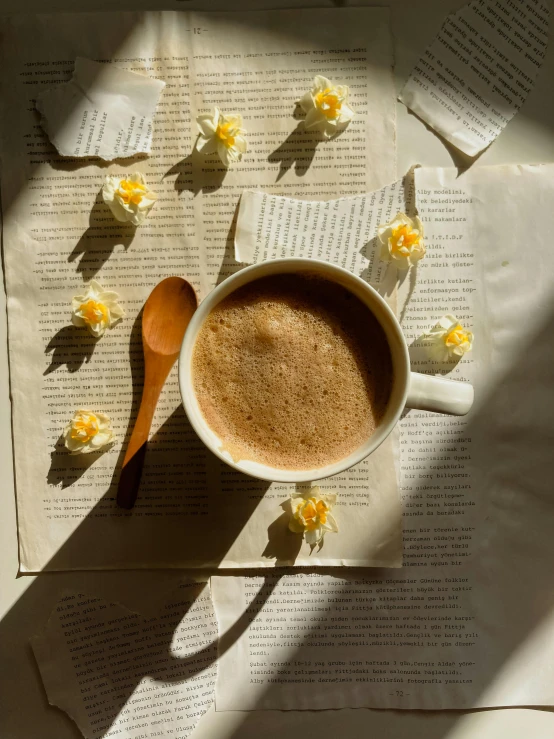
pixel 197 30
pixel 400 694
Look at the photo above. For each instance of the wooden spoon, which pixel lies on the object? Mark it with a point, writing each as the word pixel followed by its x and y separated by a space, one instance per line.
pixel 167 313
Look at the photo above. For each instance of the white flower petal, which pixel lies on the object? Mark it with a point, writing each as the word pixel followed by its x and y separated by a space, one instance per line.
pixel 78 321
pixel 119 212
pixel 326 107
pixel 94 288
pixel 108 296
pixel 346 114
pixel 447 339
pixel 315 119
pixel 342 91
pixel 330 499
pixel 234 120
pixel 308 514
pixel 322 83
pixel 96 309
pixel 402 241
pixel 222 134
pixel 314 536
pixel 206 146
pixel 224 154
pixel 240 144
pixel 207 125
pixel 87 432
pixel 101 439
pixel 122 206
pixel 306 102
pixel 96 329
pixel 296 526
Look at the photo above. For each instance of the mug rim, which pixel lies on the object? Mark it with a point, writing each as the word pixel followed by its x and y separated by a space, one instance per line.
pixel 398 349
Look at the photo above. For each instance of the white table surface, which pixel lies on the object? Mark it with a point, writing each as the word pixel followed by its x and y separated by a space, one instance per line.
pixel 26 602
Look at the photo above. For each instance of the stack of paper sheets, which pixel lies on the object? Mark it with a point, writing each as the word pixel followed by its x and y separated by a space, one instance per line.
pixel 467 621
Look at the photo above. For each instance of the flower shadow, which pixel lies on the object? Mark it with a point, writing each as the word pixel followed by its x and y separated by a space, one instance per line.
pixel 297 150
pixel 71 346
pixel 283 545
pixel 97 243
pixel 66 468
pixel 197 173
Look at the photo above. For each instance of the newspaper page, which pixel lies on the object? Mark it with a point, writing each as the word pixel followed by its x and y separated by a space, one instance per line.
pixel 58 235
pixel 117 673
pixel 88 116
pixel 343 231
pixel 478 71
pixel 468 622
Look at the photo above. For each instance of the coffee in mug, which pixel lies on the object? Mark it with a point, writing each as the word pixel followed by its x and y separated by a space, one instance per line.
pixel 292 371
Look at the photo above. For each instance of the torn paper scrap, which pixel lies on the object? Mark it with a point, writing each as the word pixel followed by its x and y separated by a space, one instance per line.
pixel 117 673
pixel 342 231
pixel 478 71
pixel 103 111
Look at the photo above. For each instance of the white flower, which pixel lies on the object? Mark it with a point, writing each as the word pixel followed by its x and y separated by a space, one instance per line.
pixel 448 339
pixel 311 514
pixel 97 309
pixel 402 240
pixel 128 198
pixel 326 107
pixel 222 134
pixel 88 432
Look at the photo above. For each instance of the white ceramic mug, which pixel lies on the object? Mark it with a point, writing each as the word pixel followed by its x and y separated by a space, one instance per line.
pixel 409 389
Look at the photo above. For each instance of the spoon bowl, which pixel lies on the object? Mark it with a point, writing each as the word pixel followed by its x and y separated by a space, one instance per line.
pixel 166 315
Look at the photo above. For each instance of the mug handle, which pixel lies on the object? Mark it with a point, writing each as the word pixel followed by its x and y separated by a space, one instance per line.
pixel 439 395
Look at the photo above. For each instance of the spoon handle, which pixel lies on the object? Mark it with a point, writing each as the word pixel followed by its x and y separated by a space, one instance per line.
pixel 131 472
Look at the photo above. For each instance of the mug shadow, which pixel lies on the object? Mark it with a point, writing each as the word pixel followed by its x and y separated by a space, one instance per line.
pixel 98 242
pixel 188 512
pixel 161 617
pixel 511 465
pixel 198 505
pixel 150 637
pixel 532 412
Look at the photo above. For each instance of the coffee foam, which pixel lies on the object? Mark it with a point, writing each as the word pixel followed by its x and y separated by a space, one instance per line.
pixel 292 371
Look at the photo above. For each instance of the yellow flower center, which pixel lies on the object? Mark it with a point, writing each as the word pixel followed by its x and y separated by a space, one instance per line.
pixel 93 312
pixel 131 192
pixel 84 428
pixel 226 133
pixel 456 337
pixel 329 102
pixel 314 513
pixel 404 238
